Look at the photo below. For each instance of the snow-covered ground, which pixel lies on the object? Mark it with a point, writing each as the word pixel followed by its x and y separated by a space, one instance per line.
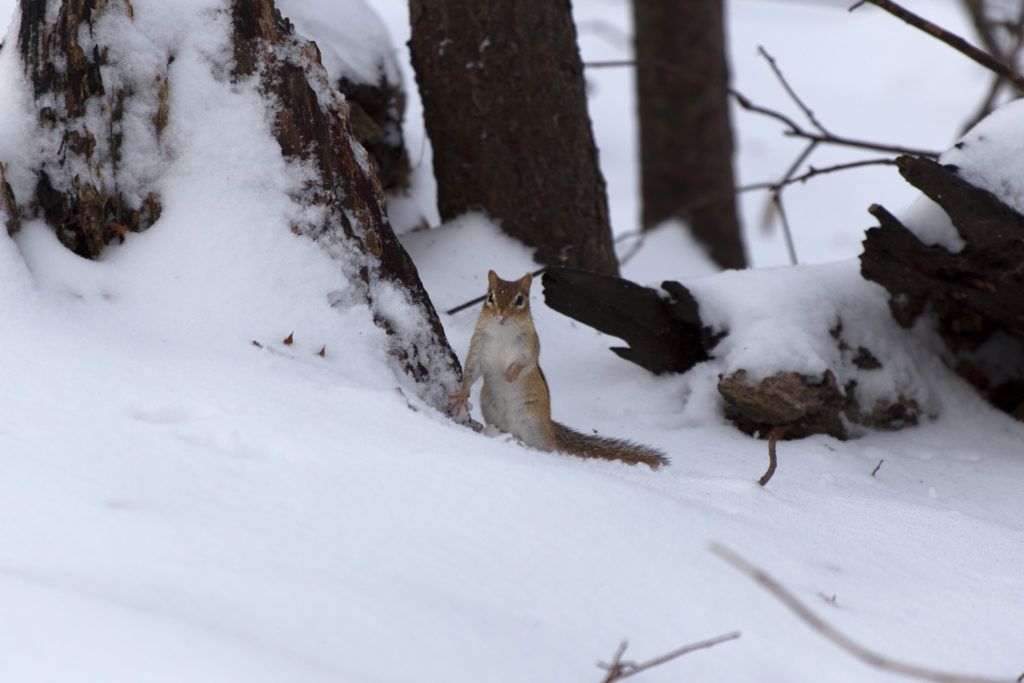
pixel 179 504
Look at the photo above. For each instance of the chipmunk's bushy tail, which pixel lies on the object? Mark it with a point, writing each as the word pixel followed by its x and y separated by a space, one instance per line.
pixel 588 446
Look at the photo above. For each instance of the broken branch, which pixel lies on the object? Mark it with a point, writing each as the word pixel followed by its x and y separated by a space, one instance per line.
pixel 619 670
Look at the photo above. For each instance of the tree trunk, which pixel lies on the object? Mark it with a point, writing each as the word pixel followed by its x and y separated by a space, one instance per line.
pixel 686 142
pixel 506 111
pixel 81 192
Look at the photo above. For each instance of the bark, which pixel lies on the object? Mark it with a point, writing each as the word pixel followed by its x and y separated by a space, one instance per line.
pixel 686 144
pixel 977 295
pixel 505 108
pixel 376 111
pixel 312 125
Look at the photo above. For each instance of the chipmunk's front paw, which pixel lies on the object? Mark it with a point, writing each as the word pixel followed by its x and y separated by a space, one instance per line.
pixel 512 372
pixel 458 405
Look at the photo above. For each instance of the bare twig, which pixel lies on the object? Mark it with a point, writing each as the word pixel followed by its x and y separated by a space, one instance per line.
pixel 818 136
pixel 1008 54
pixel 773 437
pixel 789 90
pixel 619 670
pixel 877 467
pixel 956 42
pixel 794 129
pixel 814 171
pixel 844 642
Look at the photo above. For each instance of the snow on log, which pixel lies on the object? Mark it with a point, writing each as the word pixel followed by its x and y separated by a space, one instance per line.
pixel 784 365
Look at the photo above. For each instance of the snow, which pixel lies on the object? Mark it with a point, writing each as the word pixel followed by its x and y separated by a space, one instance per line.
pixel 991 155
pixel 182 504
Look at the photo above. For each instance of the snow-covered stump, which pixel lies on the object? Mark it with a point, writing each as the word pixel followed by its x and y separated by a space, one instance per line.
pixel 82 96
pixel 312 126
pixel 972 282
pixel 98 101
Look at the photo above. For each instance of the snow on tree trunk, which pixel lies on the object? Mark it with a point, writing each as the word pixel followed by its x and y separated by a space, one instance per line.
pixel 101 98
pixel 505 106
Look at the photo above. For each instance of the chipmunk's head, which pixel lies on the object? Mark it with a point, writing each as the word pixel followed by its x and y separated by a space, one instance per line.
pixel 507 299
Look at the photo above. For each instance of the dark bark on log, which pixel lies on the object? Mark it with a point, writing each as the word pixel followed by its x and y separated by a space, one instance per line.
pixel 505 107
pixel 976 294
pixel 663 331
pixel 686 144
pixel 376 111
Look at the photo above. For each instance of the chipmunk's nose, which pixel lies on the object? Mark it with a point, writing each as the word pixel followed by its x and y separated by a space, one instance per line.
pixel 502 319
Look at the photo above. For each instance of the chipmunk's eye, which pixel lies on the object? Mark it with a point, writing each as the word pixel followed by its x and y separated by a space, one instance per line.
pixel 519 299
pixel 490 297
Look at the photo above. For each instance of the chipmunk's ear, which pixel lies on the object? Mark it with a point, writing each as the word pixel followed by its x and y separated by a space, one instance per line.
pixel 492 278
pixel 525 282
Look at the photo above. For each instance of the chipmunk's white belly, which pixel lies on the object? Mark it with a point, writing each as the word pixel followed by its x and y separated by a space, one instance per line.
pixel 502 402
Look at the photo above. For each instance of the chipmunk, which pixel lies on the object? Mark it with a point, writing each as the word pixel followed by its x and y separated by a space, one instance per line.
pixel 515 396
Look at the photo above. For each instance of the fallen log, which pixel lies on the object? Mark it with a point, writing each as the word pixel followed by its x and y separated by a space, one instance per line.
pixel 976 294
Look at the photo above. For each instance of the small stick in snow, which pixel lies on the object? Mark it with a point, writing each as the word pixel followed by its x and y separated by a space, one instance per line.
pixel 844 642
pixel 954 41
pixel 618 669
pixel 773 436
pixel 877 467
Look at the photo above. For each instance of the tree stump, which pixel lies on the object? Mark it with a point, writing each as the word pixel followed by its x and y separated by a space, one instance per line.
pixel 976 294
pixel 81 191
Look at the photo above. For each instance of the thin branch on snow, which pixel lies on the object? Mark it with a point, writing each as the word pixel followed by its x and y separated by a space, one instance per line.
pixel 773 438
pixel 830 633
pixel 953 40
pixel 619 670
